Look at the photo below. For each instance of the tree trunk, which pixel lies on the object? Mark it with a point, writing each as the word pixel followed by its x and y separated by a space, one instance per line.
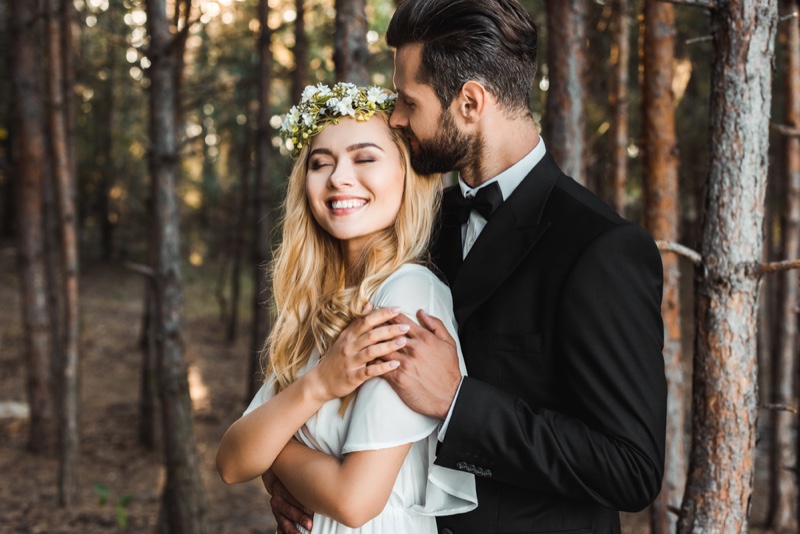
pixel 721 469
pixel 183 501
pixel 7 195
pixel 660 145
pixel 262 251
pixel 351 54
pixel 620 60
pixel 300 74
pixel 784 495
pixel 107 125
pixel 240 232
pixel 565 115
pixel 68 359
pixel 148 385
pixel 29 120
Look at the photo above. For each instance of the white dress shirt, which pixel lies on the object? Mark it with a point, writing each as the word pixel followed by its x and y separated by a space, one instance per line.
pixel 508 180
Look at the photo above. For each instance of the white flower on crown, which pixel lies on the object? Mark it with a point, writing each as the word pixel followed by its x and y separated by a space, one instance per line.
pixel 309 92
pixel 345 107
pixel 376 95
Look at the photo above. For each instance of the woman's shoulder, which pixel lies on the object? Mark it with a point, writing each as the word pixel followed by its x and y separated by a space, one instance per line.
pixel 415 275
pixel 412 287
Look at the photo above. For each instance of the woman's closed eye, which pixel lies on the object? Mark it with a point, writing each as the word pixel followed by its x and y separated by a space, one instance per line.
pixel 317 164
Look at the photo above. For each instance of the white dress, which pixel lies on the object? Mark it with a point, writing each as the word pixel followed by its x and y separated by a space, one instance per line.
pixel 378 419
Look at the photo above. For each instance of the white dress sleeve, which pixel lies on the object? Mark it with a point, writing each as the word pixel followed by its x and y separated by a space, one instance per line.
pixel 264 394
pixel 382 420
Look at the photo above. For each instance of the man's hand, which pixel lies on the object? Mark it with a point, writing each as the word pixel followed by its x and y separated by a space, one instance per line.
pixel 428 376
pixel 357 354
pixel 287 510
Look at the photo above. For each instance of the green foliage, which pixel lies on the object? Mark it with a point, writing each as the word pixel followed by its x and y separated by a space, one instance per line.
pixel 120 506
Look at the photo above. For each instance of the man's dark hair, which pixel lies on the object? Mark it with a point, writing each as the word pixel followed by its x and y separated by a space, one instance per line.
pixel 489 41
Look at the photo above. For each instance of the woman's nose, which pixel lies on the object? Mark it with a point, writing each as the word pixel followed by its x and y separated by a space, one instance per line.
pixel 343 175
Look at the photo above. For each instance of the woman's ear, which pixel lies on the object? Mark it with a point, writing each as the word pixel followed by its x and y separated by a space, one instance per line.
pixel 472 101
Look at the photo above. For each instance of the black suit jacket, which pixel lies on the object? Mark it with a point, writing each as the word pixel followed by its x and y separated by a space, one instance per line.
pixel 562 416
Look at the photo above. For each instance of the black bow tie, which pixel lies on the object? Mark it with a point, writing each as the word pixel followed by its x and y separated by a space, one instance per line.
pixel 486 201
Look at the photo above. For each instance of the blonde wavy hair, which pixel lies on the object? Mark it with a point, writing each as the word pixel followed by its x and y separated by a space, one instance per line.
pixel 308 272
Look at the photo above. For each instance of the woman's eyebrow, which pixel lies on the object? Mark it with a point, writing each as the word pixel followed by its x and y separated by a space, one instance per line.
pixel 325 151
pixel 358 146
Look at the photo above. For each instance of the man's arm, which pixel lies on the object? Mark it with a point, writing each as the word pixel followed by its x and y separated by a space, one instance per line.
pixel 287 510
pixel 607 445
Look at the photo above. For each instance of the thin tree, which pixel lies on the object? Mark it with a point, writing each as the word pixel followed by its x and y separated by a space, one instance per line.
pixel 300 51
pixel 783 475
pixel 565 116
pixel 724 402
pixel 183 502
pixel 30 172
pixel 660 169
pixel 350 52
pixel 618 101
pixel 240 224
pixel 262 251
pixel 68 363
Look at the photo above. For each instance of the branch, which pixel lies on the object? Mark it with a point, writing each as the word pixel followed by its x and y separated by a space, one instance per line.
pixel 784 129
pixel 141 269
pixel 777 266
pixel 680 250
pixel 781 407
pixel 708 4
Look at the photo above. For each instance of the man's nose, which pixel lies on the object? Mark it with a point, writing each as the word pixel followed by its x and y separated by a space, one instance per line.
pixel 398 119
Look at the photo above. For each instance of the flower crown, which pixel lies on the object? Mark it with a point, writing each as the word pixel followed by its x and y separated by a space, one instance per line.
pixel 321 105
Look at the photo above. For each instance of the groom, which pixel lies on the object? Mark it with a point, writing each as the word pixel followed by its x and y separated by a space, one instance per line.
pixel 562 416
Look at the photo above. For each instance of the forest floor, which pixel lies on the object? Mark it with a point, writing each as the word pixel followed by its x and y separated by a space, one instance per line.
pixel 112 460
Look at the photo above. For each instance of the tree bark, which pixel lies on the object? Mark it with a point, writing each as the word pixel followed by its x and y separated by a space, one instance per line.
pixel 721 469
pixel 351 55
pixel 565 116
pixel 29 120
pixel 61 160
pixel 300 74
pixel 784 495
pixel 183 500
pixel 262 251
pixel 620 60
pixel 660 145
pixel 240 231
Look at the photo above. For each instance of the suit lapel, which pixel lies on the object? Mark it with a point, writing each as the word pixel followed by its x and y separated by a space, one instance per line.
pixel 506 240
pixel 447 248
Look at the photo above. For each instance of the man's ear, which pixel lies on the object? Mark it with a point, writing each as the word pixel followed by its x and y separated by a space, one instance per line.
pixel 472 101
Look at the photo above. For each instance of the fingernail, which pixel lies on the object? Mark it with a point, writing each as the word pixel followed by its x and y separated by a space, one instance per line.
pixel 400 341
pixel 403 327
pixel 394 364
pixel 395 309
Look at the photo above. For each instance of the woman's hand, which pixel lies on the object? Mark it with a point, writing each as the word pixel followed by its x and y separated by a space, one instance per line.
pixel 355 356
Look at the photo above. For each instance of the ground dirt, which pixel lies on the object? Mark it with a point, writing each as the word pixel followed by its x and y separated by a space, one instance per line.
pixel 111 456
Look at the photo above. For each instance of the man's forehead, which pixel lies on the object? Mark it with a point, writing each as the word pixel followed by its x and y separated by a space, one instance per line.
pixel 406 64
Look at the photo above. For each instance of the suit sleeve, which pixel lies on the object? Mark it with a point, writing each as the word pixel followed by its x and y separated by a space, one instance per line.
pixel 607 444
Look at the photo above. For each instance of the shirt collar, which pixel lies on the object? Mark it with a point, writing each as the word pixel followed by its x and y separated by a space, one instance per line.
pixel 509 179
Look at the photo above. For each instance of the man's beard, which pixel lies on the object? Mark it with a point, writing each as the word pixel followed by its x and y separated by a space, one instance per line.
pixel 448 150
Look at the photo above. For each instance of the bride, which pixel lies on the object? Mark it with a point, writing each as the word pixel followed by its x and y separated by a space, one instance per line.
pixel 356 227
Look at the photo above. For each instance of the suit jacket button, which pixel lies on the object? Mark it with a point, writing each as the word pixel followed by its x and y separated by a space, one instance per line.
pixel 447 531
pixel 462 465
pixel 487 473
